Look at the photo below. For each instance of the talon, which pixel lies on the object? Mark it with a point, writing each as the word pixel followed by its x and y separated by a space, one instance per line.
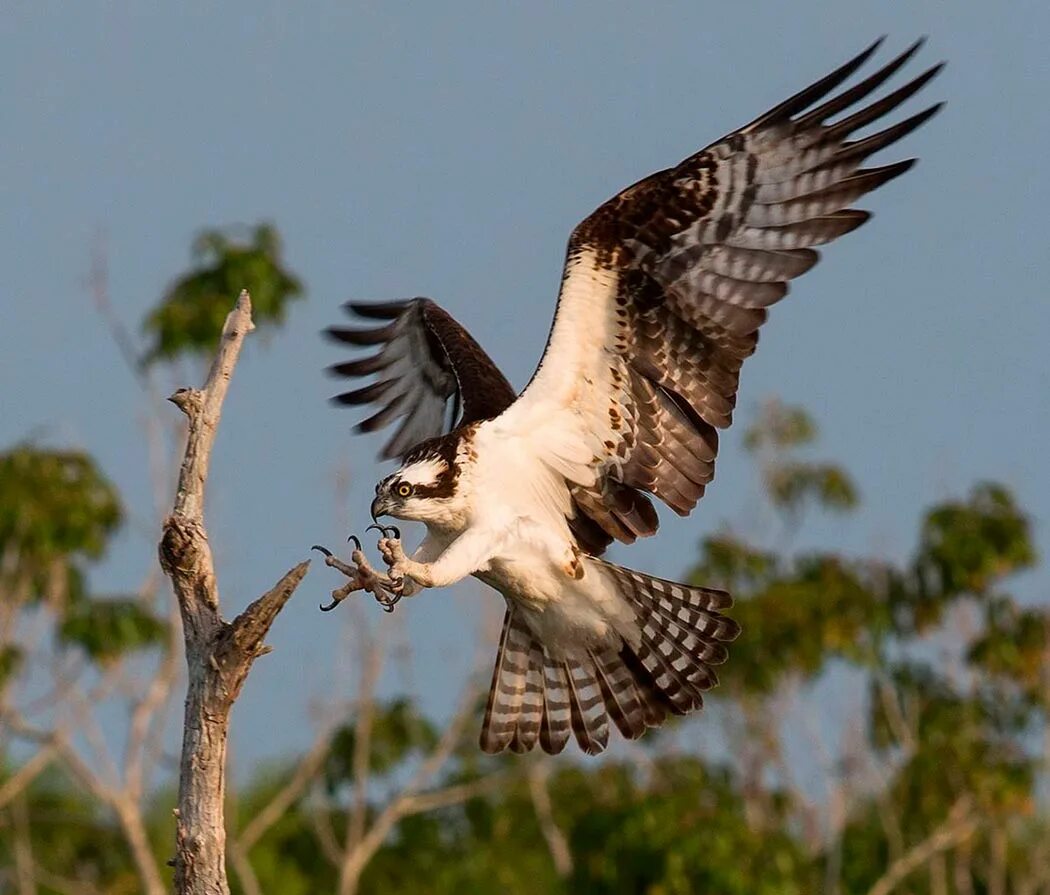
pixel 353 539
pixel 321 549
pixel 383 529
pixel 329 607
pixel 388 602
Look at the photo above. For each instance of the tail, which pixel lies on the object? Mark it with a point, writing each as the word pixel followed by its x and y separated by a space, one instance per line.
pixel 537 697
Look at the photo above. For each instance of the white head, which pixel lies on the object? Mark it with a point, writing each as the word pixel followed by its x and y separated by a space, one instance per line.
pixel 424 489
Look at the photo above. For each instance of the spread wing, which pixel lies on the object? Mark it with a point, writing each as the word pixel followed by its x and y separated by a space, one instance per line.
pixel 427 362
pixel 666 285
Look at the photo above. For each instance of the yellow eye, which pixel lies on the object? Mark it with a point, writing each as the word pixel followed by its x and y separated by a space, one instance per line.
pixel 404 489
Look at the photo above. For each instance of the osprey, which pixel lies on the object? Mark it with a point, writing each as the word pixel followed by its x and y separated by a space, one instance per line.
pixel 664 289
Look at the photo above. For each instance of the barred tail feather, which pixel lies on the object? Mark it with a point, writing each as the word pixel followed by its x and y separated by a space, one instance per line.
pixel 590 724
pixel 507 691
pixel 683 636
pixel 557 713
pixel 538 697
pixel 623 701
pixel 531 718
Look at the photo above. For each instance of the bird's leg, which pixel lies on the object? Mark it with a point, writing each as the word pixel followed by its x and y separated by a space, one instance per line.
pixel 396 562
pixel 362 577
pixel 469 552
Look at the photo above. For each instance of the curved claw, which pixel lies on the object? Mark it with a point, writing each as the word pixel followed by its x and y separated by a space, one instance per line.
pixel 323 550
pixel 383 529
pixel 353 539
pixel 329 607
pixel 388 603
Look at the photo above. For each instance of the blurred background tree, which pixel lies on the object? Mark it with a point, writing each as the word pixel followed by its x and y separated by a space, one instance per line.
pixel 189 317
pixel 929 777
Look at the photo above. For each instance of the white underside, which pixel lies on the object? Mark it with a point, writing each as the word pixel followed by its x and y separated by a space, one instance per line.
pixel 518 515
pixel 513 496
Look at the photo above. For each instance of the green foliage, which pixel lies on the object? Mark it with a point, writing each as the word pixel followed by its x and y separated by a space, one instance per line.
pixel 686 833
pixel 54 504
pixel 1014 646
pixel 966 547
pixel 732 564
pixel 11 658
pixel 57 509
pixel 189 318
pixel 965 741
pixel 791 483
pixel 107 629
pixel 778 433
pixel 779 427
pixel 71 836
pixel 821 608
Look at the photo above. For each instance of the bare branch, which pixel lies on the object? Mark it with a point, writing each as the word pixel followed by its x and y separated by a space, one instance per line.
pixel 274 810
pixel 26 774
pixel 23 848
pixel 126 808
pixel 98 284
pixel 219 655
pixel 143 714
pixel 557 844
pixel 449 796
pixel 354 861
pixel 76 766
pixel 958 826
pixel 129 813
pixel 321 822
pixel 242 867
pixel 62 885
pixel 372 663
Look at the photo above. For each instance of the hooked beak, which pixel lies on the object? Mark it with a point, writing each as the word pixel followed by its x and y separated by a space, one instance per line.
pixel 380 507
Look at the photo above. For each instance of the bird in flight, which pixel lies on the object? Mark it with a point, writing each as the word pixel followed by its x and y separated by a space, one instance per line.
pixel 664 289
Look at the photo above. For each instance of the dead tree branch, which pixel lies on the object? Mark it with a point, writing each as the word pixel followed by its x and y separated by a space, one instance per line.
pixel 411 800
pixel 557 844
pixel 13 786
pixel 219 654
pixel 959 825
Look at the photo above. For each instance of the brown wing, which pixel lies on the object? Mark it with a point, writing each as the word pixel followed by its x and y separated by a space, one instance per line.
pixel 667 284
pixel 427 360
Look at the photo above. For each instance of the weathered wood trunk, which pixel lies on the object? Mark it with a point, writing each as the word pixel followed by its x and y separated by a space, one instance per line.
pixel 219 654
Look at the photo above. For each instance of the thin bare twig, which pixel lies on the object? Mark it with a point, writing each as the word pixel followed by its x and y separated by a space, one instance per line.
pixel 275 809
pixel 372 663
pixel 957 827
pixel 238 855
pixel 23 848
pixel 321 822
pixel 557 844
pixel 15 784
pixel 143 715
pixel 127 810
pixel 62 885
pixel 355 860
pixel 449 796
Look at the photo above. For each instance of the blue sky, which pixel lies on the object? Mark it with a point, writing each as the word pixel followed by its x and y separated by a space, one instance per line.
pixel 448 150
